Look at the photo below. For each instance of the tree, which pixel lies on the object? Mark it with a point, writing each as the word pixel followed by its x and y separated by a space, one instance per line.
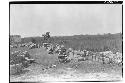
pixel 46 37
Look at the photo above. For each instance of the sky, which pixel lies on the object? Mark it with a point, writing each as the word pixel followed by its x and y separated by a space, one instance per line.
pixel 65 19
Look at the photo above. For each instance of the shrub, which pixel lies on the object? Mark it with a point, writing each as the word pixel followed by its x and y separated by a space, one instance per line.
pixel 18 63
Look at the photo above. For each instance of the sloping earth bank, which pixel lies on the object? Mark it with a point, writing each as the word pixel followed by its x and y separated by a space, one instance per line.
pixel 75 71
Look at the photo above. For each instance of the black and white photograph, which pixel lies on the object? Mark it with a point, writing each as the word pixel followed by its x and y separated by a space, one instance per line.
pixel 65 41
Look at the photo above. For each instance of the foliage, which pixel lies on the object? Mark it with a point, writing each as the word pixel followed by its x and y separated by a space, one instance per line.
pixel 46 37
pixel 33 40
pixel 18 62
pixel 104 42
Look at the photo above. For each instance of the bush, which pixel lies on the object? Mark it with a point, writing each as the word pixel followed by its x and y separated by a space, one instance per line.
pixel 16 69
pixel 18 63
pixel 16 59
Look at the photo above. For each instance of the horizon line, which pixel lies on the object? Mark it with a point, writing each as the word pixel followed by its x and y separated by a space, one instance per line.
pixel 66 35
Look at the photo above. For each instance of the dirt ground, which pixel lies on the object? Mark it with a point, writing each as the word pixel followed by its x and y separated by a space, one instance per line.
pixel 74 71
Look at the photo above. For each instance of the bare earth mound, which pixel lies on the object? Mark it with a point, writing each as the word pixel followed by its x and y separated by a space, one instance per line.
pixel 75 71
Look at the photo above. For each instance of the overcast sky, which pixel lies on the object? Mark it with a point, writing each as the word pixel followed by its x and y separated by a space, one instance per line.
pixel 65 19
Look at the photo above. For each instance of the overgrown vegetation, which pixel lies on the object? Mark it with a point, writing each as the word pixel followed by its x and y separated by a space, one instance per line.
pixel 95 43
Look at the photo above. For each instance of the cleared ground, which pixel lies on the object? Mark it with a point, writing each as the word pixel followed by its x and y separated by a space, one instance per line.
pixel 74 71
